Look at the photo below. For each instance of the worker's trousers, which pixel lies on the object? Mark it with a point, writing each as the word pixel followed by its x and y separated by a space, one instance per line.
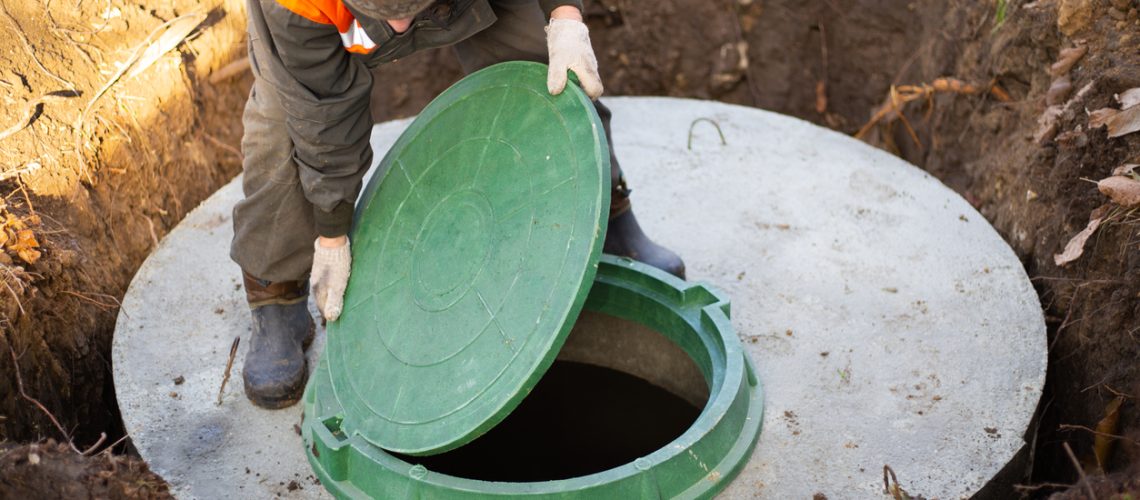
pixel 273 227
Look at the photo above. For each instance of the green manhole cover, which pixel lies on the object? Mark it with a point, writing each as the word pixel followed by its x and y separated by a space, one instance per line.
pixel 473 251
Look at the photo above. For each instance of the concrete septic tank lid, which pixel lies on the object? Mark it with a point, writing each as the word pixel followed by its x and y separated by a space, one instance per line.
pixel 889 323
pixel 473 253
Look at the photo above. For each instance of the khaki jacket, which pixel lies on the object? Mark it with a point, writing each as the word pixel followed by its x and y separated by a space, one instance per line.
pixel 317 55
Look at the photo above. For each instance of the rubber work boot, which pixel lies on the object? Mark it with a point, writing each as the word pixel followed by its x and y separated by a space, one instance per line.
pixel 275 368
pixel 625 237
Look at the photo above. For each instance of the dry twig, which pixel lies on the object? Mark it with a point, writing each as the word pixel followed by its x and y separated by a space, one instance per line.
pixel 31 110
pixel 14 173
pixel 1080 471
pixel 102 305
pixel 20 388
pixel 1098 433
pixel 153 235
pixel 229 365
pixel 90 449
pixel 1119 393
pixel 895 490
pixel 177 31
pixel 19 284
pixel 28 200
pixel 821 85
pixel 116 443
pixel 230 70
pixel 226 147
pixel 899 95
pixel 1030 488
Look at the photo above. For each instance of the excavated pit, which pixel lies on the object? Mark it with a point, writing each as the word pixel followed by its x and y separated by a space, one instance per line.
pixel 96 237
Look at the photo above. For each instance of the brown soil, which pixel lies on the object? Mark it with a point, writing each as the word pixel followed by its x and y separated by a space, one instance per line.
pixel 1119 486
pixel 148 170
pixel 51 470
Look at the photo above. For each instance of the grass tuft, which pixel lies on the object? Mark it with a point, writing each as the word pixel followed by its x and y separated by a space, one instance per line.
pixel 999 14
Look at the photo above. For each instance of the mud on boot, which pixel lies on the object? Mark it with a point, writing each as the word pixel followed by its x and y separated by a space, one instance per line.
pixel 275 369
pixel 625 237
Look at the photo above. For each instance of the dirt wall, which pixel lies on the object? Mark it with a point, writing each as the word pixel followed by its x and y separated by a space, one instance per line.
pixel 152 146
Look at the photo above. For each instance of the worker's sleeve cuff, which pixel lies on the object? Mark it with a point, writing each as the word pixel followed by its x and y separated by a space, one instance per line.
pixel 548 6
pixel 335 223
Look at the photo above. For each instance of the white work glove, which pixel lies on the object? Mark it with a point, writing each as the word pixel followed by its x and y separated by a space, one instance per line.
pixel 330 277
pixel 568 41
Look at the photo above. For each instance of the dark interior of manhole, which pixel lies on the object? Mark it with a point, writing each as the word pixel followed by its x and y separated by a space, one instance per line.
pixel 588 413
pixel 580 419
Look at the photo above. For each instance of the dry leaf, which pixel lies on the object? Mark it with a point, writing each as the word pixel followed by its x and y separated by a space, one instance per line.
pixel 1067 60
pixel 1000 94
pixel 1047 124
pixel 1059 90
pixel 28 255
pixel 1125 191
pixel 26 238
pixel 172 37
pixel 1076 246
pixel 1129 98
pixel 1125 169
pixel 1124 122
pixel 25 246
pixel 1102 441
pixel 1081 94
pixel 1100 117
pixel 14 222
pixel 820 97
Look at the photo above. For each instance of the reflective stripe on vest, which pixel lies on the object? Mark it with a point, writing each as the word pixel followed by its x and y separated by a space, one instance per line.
pixel 356 40
pixel 334 12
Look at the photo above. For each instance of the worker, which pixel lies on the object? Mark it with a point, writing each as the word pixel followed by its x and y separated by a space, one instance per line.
pixel 306 146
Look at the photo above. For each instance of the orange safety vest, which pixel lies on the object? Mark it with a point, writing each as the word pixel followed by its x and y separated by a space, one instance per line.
pixel 334 12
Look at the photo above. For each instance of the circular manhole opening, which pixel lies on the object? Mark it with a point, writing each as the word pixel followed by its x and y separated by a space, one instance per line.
pixel 599 406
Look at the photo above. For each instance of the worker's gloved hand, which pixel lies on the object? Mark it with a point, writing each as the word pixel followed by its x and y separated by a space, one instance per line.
pixel 568 41
pixel 330 277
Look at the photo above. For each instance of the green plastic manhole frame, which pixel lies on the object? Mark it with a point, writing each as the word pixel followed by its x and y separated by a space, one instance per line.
pixel 698 464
